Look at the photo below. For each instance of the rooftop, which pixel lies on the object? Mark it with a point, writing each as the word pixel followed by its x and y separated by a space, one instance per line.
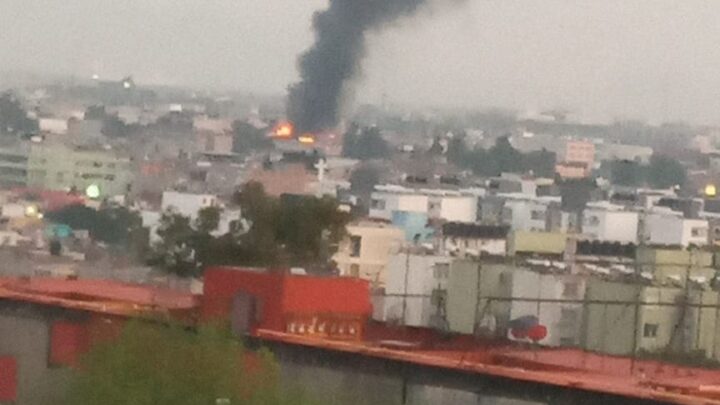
pixel 569 368
pixel 102 296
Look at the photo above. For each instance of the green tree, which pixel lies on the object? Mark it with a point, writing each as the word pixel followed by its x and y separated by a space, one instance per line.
pixel 541 163
pixel 507 158
pixel 664 172
pixel 175 251
pixel 208 219
pixel 13 117
pixel 310 228
pixel 457 151
pixel 112 225
pixel 626 173
pixel 153 364
pixel 247 138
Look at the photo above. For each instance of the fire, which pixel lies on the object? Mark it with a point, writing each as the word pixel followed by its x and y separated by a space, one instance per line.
pixel 284 129
pixel 306 139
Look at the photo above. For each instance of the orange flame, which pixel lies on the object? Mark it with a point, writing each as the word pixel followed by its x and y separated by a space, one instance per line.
pixel 306 138
pixel 284 129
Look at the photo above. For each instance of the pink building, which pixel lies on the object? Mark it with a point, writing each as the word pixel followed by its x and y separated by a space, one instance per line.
pixel 580 151
pixel 578 160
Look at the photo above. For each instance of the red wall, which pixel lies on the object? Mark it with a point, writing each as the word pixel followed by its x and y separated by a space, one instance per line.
pixel 315 295
pixel 222 284
pixel 68 341
pixel 282 295
pixel 8 379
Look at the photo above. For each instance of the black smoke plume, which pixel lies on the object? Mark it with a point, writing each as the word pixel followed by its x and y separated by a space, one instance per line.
pixel 314 103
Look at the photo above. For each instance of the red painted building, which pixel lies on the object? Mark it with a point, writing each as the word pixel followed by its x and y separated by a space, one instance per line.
pixel 276 300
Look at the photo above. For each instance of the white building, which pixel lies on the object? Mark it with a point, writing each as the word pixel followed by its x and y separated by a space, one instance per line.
pixel 187 204
pixel 448 205
pixel 365 252
pixel 608 222
pixel 415 285
pixel 57 126
pixel 525 213
pixel 666 227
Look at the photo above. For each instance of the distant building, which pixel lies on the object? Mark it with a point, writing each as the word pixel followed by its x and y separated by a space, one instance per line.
pixel 608 222
pixel 213 136
pixel 54 126
pixel 14 165
pixel 665 227
pixel 187 204
pixel 366 250
pixel 57 166
pixel 577 160
pixel 446 205
pixel 579 151
pixel 623 319
pixel 572 170
pixel 284 179
pixel 551 244
pixel 463 239
pixel 524 213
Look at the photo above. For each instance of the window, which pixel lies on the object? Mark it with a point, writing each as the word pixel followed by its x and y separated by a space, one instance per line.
pixel 698 232
pixel 592 220
pixel 354 270
pixel 650 330
pixel 537 214
pixel 355 245
pixel 377 204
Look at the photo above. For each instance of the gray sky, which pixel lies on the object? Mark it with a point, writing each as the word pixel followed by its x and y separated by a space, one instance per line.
pixel 652 59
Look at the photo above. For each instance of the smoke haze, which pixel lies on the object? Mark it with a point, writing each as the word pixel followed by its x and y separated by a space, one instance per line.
pixel 334 59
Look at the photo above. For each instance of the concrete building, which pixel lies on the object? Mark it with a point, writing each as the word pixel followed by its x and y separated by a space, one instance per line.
pixel 463 239
pixel 54 126
pixel 676 266
pixel 57 166
pixel 537 243
pixel 579 151
pixel 213 136
pixel 365 252
pixel 469 308
pixel 608 222
pixel 415 289
pixel 187 204
pixel 415 225
pixel 623 319
pixel 666 227
pixel 14 165
pixel 538 294
pixel 445 205
pixel 48 324
pixel 511 183
pixel 572 170
pixel 483 297
pixel 524 213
